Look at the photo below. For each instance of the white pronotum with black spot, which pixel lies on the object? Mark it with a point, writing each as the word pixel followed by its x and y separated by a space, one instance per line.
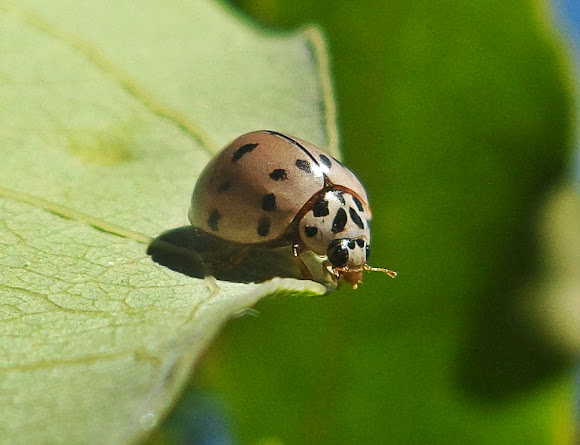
pixel 267 188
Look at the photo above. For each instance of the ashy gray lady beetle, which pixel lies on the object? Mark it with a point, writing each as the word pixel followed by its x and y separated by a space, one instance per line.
pixel 268 189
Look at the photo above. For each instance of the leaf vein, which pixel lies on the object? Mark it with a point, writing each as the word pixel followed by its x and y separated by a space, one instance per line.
pixel 100 60
pixel 68 213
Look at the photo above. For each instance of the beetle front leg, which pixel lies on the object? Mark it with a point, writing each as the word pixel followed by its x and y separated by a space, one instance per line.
pixel 297 250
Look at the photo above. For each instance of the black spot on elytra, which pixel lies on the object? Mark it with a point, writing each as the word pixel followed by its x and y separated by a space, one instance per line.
pixel 264 226
pixel 339 221
pixel 269 202
pixel 354 216
pixel 324 159
pixel 320 207
pixel 310 231
pixel 213 220
pixel 242 151
pixel 279 175
pixel 303 165
pixel 358 203
pixel 224 186
pixel 340 197
pixel 351 244
pixel 360 242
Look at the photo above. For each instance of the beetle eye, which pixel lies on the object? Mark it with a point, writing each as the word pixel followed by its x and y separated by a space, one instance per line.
pixel 337 253
pixel 368 252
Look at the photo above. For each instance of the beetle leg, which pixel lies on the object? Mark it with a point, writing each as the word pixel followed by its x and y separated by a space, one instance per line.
pixel 238 256
pixel 306 273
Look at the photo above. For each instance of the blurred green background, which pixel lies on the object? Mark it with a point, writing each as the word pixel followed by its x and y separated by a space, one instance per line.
pixel 459 118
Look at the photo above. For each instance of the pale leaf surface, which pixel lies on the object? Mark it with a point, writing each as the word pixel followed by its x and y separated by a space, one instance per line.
pixel 108 113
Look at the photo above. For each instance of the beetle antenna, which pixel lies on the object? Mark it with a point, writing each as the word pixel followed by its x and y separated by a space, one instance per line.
pixel 390 273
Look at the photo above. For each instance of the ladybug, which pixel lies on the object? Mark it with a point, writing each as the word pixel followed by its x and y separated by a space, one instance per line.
pixel 268 189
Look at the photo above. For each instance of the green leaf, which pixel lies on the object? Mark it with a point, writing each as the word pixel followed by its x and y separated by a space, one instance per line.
pixel 459 117
pixel 108 113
